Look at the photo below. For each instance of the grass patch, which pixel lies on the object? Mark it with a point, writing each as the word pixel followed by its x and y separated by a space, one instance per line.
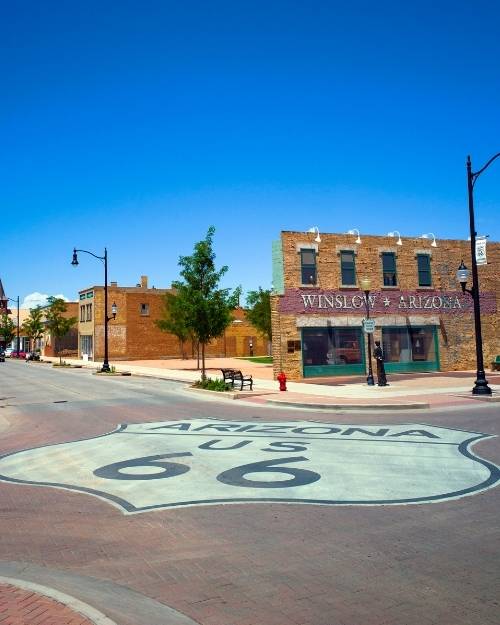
pixel 212 385
pixel 264 360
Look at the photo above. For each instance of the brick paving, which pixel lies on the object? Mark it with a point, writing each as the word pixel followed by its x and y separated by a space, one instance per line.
pixel 25 607
pixel 262 564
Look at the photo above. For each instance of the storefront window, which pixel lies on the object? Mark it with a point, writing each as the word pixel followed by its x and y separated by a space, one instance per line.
pixel 332 346
pixel 409 344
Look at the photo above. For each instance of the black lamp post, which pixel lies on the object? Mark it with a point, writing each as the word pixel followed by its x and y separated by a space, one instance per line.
pixel 481 384
pixel 105 365
pixel 16 301
pixel 366 286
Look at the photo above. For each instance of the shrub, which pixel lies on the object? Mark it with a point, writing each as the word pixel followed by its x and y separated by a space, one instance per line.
pixel 212 385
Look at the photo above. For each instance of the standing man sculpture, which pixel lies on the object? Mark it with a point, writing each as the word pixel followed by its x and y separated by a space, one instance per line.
pixel 379 357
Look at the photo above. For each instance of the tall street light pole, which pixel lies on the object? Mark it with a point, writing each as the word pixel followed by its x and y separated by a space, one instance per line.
pixel 17 304
pixel 105 365
pixel 365 287
pixel 481 385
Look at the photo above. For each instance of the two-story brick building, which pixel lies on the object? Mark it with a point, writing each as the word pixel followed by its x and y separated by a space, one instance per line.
pixel 135 335
pixel 422 318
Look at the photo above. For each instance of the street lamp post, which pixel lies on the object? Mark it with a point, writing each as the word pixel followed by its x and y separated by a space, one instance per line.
pixel 365 287
pixel 481 384
pixel 17 304
pixel 105 365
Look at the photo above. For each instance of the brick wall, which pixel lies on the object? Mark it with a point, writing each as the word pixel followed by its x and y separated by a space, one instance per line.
pixel 455 327
pixel 133 335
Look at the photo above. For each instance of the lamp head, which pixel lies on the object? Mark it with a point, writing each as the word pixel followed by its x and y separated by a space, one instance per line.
pixel 395 233
pixel 356 232
pixel 462 275
pixel 365 284
pixel 74 262
pixel 428 236
pixel 315 229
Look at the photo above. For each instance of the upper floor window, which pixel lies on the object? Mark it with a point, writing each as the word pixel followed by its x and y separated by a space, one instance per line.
pixel 89 312
pixel 424 270
pixel 308 266
pixel 145 309
pixel 348 268
pixel 82 313
pixel 389 269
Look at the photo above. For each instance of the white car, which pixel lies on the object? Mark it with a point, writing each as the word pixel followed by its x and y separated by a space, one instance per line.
pixel 8 351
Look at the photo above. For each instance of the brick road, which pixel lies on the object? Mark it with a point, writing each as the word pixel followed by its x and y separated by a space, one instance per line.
pixel 260 564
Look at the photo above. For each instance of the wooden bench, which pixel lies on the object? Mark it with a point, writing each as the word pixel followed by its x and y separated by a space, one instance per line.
pixel 495 365
pixel 234 376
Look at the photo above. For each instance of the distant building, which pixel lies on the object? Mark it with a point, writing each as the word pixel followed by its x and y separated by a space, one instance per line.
pixel 422 318
pixel 134 335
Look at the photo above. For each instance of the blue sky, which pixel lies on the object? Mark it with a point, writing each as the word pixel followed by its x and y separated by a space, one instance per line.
pixel 136 125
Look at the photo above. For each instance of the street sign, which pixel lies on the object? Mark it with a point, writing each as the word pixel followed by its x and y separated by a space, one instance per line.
pixel 369 326
pixel 481 251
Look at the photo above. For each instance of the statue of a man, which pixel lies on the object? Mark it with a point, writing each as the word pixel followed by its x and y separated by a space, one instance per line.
pixel 379 357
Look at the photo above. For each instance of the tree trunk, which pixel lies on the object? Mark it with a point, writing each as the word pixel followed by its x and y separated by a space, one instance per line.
pixel 203 376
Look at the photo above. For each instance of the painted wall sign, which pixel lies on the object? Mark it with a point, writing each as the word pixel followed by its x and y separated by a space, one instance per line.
pixel 390 302
pixel 146 466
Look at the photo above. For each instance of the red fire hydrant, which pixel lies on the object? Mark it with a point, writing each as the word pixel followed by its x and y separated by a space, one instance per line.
pixel 282 380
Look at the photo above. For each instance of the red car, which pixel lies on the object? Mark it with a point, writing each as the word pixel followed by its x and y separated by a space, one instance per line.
pixel 21 354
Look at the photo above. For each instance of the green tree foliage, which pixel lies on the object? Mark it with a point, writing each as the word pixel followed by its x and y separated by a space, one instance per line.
pixel 259 311
pixel 208 308
pixel 7 328
pixel 33 325
pixel 57 324
pixel 174 319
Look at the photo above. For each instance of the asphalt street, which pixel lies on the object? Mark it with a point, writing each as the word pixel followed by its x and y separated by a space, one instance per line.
pixel 136 496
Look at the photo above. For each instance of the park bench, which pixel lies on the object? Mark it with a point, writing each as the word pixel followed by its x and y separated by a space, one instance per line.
pixel 234 376
pixel 495 365
pixel 227 375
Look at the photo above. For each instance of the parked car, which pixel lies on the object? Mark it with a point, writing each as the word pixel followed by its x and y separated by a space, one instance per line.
pixel 2 355
pixel 8 352
pixel 33 356
pixel 22 354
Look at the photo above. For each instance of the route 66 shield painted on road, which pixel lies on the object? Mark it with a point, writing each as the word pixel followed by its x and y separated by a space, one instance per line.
pixel 145 466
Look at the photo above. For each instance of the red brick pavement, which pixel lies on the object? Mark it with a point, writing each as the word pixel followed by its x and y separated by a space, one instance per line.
pixel 25 607
pixel 266 564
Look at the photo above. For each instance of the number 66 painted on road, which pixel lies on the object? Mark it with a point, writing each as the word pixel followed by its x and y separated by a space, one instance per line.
pixel 231 477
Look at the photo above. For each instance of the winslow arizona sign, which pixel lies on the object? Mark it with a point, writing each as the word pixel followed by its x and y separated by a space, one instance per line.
pixel 428 302
pixel 146 466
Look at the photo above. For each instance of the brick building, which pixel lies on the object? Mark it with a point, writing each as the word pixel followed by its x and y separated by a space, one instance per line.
pixel 422 318
pixel 135 335
pixel 66 345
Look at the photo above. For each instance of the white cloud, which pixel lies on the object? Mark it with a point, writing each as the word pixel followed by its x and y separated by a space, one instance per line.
pixel 39 299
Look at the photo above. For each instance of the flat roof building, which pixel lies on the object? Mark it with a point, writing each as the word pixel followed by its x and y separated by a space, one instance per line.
pixel 422 318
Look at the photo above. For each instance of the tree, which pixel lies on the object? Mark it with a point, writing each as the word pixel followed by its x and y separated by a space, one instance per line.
pixel 259 311
pixel 57 324
pixel 7 328
pixel 174 319
pixel 33 326
pixel 207 308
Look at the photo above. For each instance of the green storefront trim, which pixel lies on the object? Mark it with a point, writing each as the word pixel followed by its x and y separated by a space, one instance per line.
pixel 316 371
pixel 415 366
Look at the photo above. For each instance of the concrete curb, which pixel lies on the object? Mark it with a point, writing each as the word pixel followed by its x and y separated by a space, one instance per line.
pixel 123 605
pixel 90 613
pixel 227 394
pixel 336 407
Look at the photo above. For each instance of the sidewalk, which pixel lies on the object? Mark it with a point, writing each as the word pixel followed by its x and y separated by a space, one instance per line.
pixel 405 391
